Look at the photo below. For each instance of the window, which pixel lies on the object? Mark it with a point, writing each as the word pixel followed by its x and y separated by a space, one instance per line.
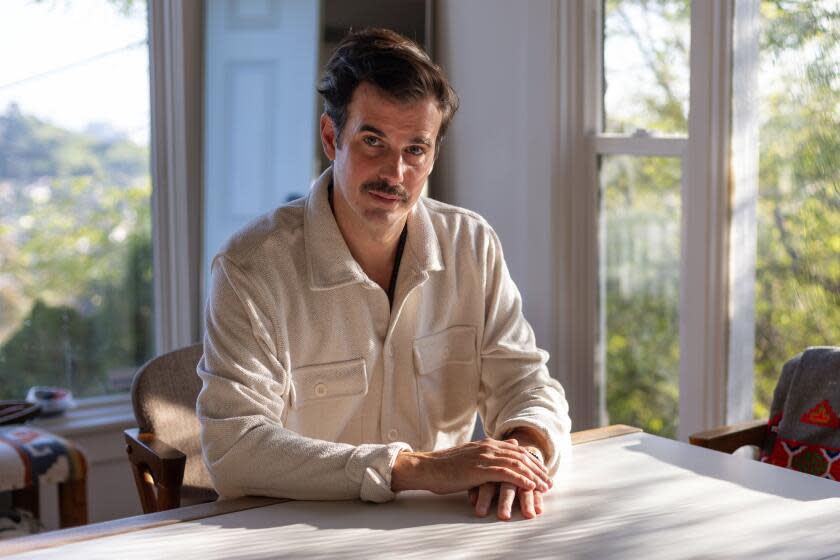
pixel 745 160
pixel 639 145
pixel 75 225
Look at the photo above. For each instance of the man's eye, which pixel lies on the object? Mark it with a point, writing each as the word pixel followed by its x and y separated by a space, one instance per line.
pixel 371 140
pixel 416 150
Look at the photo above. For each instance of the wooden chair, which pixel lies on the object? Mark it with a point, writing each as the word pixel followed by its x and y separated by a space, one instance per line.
pixel 728 439
pixel 796 381
pixel 165 450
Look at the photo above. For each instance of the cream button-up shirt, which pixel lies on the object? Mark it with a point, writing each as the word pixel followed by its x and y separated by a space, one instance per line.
pixel 313 382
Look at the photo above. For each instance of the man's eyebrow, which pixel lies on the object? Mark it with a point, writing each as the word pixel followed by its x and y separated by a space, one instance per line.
pixel 416 140
pixel 371 128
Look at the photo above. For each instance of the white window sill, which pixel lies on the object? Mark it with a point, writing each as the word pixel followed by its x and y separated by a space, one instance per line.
pixel 90 416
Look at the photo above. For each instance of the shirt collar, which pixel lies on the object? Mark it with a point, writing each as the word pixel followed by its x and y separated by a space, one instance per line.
pixel 328 258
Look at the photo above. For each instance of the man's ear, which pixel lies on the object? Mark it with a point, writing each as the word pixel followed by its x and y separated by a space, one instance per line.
pixel 328 136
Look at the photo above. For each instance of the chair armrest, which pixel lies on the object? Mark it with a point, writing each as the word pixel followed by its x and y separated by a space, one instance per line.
pixel 164 461
pixel 730 438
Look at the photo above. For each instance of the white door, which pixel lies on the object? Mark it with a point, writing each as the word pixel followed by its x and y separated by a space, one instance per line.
pixel 260 111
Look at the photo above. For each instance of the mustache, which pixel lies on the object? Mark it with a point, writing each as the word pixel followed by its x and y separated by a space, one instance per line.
pixel 384 187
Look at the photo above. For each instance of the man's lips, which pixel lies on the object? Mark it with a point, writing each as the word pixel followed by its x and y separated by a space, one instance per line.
pixel 384 196
pixel 384 192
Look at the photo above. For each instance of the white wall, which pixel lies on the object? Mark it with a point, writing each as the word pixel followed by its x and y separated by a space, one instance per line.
pixel 499 156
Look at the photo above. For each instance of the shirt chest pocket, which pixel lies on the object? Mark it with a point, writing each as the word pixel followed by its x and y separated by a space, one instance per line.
pixel 454 346
pixel 326 383
pixel 446 368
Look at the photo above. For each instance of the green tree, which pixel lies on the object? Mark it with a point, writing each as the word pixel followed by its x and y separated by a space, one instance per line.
pixel 75 250
pixel 798 258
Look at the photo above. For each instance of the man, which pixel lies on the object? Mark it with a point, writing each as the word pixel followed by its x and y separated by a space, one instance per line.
pixel 352 334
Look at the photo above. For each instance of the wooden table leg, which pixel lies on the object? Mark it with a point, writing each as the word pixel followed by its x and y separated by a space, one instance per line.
pixel 72 503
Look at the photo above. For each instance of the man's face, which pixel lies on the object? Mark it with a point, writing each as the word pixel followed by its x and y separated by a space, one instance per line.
pixel 386 152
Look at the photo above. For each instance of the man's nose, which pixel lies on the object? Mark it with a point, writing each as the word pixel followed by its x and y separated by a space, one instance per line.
pixel 393 169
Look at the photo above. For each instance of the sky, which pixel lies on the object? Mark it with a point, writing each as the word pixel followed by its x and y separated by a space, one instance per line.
pixel 37 37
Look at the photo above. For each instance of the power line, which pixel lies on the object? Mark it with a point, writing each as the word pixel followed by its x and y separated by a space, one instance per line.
pixel 82 62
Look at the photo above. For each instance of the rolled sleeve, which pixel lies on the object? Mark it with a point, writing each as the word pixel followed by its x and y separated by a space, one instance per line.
pixel 371 467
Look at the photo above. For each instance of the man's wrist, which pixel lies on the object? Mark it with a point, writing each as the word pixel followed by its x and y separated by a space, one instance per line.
pixel 406 472
pixel 530 438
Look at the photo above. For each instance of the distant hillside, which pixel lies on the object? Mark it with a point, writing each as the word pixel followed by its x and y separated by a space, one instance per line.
pixel 31 148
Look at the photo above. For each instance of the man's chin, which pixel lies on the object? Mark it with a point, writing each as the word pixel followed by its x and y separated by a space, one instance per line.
pixel 381 218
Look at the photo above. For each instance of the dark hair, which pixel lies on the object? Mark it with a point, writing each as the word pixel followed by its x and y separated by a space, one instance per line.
pixel 393 63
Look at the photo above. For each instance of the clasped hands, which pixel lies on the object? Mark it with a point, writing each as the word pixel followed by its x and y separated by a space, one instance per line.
pixel 487 469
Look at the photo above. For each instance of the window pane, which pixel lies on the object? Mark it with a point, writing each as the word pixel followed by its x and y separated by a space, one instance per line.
pixel 646 45
pixel 75 241
pixel 640 294
pixel 798 214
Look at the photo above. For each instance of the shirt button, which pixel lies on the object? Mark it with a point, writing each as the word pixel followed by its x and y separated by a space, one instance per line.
pixel 320 389
pixel 393 434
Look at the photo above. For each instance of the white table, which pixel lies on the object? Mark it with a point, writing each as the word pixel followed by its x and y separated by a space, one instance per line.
pixel 632 496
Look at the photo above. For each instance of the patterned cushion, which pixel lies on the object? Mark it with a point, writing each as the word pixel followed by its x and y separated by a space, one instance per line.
pixel 30 455
pixel 812 459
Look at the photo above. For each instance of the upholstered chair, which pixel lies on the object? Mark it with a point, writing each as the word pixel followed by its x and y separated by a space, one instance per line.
pixel 165 449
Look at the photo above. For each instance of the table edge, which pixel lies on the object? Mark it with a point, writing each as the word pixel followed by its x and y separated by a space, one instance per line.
pixel 92 531
pixel 597 434
pixel 200 511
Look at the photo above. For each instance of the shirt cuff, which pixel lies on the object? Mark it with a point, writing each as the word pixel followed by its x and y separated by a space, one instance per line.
pixel 370 466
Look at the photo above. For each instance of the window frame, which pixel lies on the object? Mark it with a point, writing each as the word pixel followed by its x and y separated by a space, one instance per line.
pixel 176 65
pixel 743 228
pixel 705 259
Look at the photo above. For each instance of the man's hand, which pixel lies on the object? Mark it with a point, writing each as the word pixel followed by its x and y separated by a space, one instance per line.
pixel 472 465
pixel 530 501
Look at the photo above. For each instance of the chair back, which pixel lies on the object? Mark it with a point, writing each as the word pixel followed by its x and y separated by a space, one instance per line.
pixel 163 394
